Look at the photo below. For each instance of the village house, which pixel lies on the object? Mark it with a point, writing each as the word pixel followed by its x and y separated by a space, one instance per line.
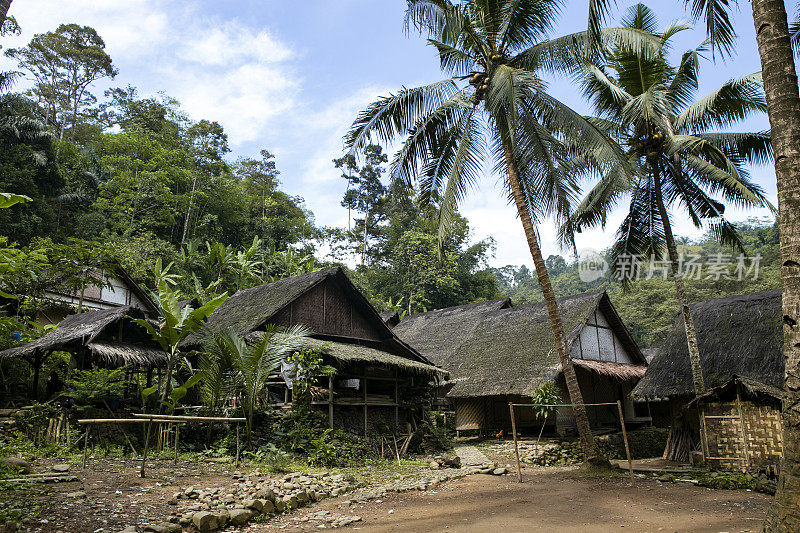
pixel 381 383
pixel 111 288
pixel 104 338
pixel 496 354
pixel 740 342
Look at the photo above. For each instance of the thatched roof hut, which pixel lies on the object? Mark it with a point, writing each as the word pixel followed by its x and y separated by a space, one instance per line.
pixel 107 335
pixel 379 379
pixel 326 301
pixel 737 336
pixel 497 352
pixel 492 348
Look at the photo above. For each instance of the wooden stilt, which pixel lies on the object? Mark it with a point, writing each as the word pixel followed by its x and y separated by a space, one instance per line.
pixel 85 445
pixel 330 401
pixel 516 445
pixel 176 442
pixel 625 439
pixel 237 445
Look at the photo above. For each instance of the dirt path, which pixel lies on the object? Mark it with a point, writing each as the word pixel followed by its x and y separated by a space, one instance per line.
pixel 552 501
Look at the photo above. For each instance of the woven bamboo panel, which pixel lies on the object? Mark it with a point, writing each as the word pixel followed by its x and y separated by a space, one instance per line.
pixel 752 443
pixel 469 413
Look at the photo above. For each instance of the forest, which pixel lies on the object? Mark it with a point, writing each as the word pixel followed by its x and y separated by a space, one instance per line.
pixel 94 180
pixel 117 178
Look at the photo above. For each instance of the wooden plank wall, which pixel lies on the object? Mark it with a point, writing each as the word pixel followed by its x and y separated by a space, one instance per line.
pixel 327 310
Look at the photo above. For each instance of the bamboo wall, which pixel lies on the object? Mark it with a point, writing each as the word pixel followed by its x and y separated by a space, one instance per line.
pixel 751 442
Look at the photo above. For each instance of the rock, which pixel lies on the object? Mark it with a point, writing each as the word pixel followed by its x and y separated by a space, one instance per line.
pixel 434 465
pixel 265 494
pixel 205 521
pixel 302 497
pixel 452 461
pixel 766 485
pixel 267 507
pixel 223 517
pixel 241 516
pixel 129 529
pixel 499 471
pixel 60 468
pixel 280 506
pixel 19 464
pixel 255 505
pixel 76 494
pixel 164 527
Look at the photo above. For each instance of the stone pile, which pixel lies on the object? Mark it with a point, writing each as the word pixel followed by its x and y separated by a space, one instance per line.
pixel 333 520
pixel 211 509
pixel 561 453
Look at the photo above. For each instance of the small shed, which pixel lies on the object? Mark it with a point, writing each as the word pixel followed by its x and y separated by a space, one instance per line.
pixel 105 337
pixel 740 342
pixel 497 353
pixel 381 382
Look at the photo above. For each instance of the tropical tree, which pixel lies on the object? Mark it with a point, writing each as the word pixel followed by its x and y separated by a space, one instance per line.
pixel 4 6
pixel 175 324
pixel 775 40
pixel 495 53
pixel 253 363
pixel 675 156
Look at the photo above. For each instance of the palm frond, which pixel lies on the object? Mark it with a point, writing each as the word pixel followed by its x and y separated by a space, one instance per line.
pixel 734 101
pixel 719 27
pixel 393 115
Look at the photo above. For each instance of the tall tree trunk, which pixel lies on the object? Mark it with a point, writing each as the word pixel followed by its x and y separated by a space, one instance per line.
pixel 591 449
pixel 4 5
pixel 189 211
pixel 680 289
pixel 783 106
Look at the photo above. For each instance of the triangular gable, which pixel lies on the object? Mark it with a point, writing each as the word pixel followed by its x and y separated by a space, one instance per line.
pixel 602 336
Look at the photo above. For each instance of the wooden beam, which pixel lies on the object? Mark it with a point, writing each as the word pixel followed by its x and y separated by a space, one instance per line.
pixel 625 439
pixel 330 401
pixel 516 445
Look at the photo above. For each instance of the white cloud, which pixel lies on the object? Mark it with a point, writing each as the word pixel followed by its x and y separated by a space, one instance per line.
pixel 222 70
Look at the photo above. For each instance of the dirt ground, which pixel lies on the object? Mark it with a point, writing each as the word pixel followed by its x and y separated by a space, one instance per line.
pixel 551 500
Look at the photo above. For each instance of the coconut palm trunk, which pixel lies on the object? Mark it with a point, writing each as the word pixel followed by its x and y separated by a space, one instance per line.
pixel 783 101
pixel 591 449
pixel 680 289
pixel 4 6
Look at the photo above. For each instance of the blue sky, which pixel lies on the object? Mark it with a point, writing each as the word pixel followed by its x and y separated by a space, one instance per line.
pixel 291 76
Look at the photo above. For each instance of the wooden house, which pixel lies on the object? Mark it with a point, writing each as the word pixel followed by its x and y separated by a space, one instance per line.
pixel 740 340
pixel 106 338
pixel 381 382
pixel 115 289
pixel 496 353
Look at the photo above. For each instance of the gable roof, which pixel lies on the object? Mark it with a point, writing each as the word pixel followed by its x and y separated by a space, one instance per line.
pixel 493 349
pixel 82 330
pixel 436 334
pixel 737 336
pixel 251 309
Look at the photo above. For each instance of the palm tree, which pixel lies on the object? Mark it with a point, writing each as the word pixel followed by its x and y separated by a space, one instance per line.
pixel 255 362
pixel 774 39
pixel 678 158
pixel 4 6
pixel 217 370
pixel 495 53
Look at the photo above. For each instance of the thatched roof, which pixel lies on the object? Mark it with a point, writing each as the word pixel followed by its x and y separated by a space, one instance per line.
pixel 391 318
pixel 93 330
pixel 493 349
pixel 750 387
pixel 737 336
pixel 250 309
pixel 345 354
pixel 618 371
pixel 437 334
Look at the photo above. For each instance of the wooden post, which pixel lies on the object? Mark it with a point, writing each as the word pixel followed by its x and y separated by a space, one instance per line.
pixel 330 401
pixel 176 442
pixel 625 439
pixel 516 446
pixel 745 447
pixel 365 404
pixel 85 445
pixel 237 445
pixel 396 402
pixel 703 434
